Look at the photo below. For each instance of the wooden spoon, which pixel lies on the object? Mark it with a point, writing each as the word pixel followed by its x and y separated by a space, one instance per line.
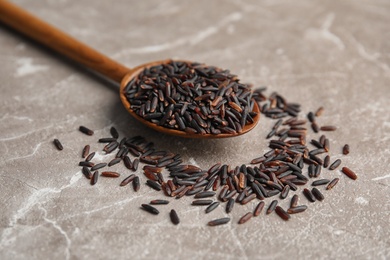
pixel 66 45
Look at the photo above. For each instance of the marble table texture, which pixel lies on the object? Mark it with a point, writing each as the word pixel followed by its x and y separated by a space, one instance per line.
pixel 334 54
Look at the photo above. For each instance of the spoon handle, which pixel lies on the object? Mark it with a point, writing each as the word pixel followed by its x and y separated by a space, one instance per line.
pixel 59 41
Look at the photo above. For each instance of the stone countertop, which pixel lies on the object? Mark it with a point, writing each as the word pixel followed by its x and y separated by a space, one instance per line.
pixel 334 54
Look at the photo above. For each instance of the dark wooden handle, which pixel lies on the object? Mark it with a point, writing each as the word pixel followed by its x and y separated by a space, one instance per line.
pixel 57 40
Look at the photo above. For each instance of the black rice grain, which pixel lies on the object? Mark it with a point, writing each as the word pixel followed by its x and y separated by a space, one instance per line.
pixel 319 111
pixel 150 209
pixel 150 175
pixel 160 178
pixel 85 130
pixel 241 196
pixel 85 151
pixel 326 161
pixel 271 133
pixel 277 124
pixel 110 174
pixel 282 213
pixel 315 127
pixel 245 218
pixel 230 195
pixel 58 144
pixel 311 170
pixel 109 148
pixel 183 192
pixel 174 217
pixel 346 149
pixel 259 208
pixel 311 117
pixel 122 142
pixel 328 128
pixel 135 164
pixel 229 205
pixel 223 192
pixel 322 140
pixel 114 161
pixel 316 143
pixel 94 178
pixel 326 145
pixel 272 207
pixel 335 164
pixel 201 202
pixel 212 206
pixel 114 133
pixel 272 193
pixel 136 184
pixel 194 190
pixel 123 151
pixel 294 201
pixel 98 166
pixel 159 202
pixel 320 182
pixel 154 185
pixel 297 209
pixel 218 222
pixel 176 190
pixel 317 151
pixel 127 180
pixel 86 164
pixel 204 194
pixel 309 195
pixel 256 188
pixel 87 173
pixel 107 140
pixel 317 171
pixel 249 198
pixel 332 183
pixel 284 192
pixel 349 173
pixel 90 157
pixel 127 162
pixel 317 194
pixel 317 159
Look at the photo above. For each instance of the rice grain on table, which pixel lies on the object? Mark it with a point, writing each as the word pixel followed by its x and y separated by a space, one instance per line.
pixel 58 144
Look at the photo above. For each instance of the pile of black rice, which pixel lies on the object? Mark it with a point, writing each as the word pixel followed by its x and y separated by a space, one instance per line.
pixel 199 99
pixel 191 97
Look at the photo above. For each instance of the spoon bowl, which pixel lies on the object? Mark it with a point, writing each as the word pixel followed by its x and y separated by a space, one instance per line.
pixel 55 39
pixel 137 70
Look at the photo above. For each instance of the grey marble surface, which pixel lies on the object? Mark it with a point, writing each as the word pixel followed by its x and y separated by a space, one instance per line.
pixel 318 53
